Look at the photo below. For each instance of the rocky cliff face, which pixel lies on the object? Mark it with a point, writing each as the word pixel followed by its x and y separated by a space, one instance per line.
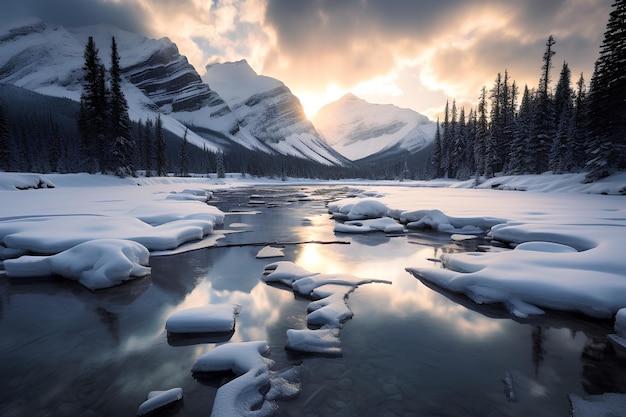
pixel 268 111
pixel 256 112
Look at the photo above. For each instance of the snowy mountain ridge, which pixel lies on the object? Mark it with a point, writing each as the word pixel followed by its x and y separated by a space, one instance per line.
pixel 358 129
pixel 158 80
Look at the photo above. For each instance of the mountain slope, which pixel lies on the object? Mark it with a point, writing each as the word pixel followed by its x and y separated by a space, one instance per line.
pixel 358 129
pixel 158 80
pixel 269 112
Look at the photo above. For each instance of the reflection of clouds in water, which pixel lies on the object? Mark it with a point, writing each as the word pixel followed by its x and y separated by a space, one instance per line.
pixel 406 296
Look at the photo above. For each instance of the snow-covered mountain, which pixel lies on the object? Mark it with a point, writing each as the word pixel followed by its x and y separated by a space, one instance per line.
pixel 158 80
pixel 358 129
pixel 269 112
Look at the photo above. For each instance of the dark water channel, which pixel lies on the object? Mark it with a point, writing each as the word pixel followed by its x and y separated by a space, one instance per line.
pixel 408 351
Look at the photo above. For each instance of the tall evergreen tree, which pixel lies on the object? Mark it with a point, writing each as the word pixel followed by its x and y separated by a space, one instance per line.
pixel 93 109
pixel 161 156
pixel 183 157
pixel 482 132
pixel 4 141
pixel 446 142
pixel 220 168
pixel 561 152
pixel 580 124
pixel 148 147
pixel 122 145
pixel 543 128
pixel 519 159
pixel 606 152
pixel 436 158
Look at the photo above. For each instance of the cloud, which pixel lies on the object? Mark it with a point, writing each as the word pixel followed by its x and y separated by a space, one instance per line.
pixel 457 46
pixel 409 52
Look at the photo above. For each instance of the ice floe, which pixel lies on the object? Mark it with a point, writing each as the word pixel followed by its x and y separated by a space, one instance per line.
pixel 160 399
pixel 383 224
pixel 359 210
pixel 213 318
pixel 327 311
pixel 244 396
pixel 96 264
pixel 270 252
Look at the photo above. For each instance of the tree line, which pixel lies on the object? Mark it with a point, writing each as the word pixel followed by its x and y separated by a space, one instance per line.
pixel 561 130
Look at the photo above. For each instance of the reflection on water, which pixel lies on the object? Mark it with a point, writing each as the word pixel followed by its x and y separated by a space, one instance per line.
pixel 409 350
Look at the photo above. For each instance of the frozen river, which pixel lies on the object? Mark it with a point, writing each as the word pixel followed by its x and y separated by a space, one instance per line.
pixel 408 351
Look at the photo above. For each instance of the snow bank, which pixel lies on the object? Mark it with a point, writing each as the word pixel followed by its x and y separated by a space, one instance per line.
pixel 160 399
pixel 96 264
pixel 214 318
pixel 569 268
pixel 363 209
pixel 84 218
pixel 243 396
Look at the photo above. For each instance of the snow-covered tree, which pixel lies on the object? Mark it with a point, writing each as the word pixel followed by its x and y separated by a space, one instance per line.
pixel 436 158
pixel 482 132
pixel 220 168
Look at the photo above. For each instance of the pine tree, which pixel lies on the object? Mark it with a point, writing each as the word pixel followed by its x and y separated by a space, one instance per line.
pixel 436 158
pixel 543 128
pixel 4 141
pixel 148 152
pixel 519 159
pixel 482 132
pixel 121 142
pixel 220 167
pixel 161 156
pixel 560 159
pixel 183 158
pixel 579 122
pixel 607 100
pixel 446 142
pixel 93 109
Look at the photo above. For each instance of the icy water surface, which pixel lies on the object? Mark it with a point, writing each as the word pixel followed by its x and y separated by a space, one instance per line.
pixel 408 351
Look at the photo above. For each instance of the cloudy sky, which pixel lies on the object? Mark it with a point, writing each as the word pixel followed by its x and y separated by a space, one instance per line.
pixel 412 53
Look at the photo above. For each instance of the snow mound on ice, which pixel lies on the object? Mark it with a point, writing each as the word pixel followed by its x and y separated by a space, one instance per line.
pixel 320 341
pixel 437 220
pixel 23 181
pixel 270 252
pixel 553 273
pixel 159 399
pixel 96 264
pixel 328 310
pixel 383 224
pixel 243 396
pixel 360 210
pixel 214 318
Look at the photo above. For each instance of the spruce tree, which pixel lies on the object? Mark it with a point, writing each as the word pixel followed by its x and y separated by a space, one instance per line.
pixel 446 142
pixel 519 159
pixel 4 141
pixel 121 141
pixel 183 157
pixel 580 124
pixel 436 158
pixel 607 100
pixel 482 132
pixel 560 159
pixel 161 156
pixel 93 109
pixel 220 167
pixel 543 128
pixel 148 140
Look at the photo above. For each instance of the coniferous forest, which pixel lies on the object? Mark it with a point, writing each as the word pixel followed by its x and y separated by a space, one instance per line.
pixel 569 128
pixel 563 124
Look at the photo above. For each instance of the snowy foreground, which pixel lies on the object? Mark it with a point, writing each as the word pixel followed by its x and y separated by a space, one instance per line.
pixel 560 248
